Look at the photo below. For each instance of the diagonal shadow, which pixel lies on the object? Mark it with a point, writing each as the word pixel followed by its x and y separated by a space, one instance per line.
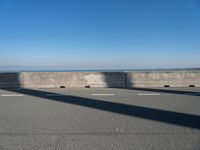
pixel 176 118
pixel 168 91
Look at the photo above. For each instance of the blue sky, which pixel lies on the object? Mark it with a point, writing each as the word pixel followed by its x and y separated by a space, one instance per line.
pixel 99 34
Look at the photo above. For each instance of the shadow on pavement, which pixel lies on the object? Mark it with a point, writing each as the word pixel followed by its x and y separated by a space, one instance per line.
pixel 176 118
pixel 168 91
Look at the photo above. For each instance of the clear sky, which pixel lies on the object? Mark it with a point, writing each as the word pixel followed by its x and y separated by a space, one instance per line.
pixel 99 34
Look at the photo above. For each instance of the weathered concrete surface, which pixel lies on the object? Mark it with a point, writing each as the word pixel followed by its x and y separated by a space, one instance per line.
pixel 99 79
pixel 160 79
pixel 72 79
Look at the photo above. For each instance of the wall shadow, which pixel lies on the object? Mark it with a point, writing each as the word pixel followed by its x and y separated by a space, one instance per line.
pixel 170 117
pixel 167 91
pixel 10 80
pixel 115 79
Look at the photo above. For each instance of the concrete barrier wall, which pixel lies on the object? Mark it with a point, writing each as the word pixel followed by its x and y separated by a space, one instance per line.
pixel 9 80
pixel 72 79
pixel 99 79
pixel 160 79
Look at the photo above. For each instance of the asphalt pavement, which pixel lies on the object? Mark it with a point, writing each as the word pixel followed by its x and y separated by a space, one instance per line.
pixel 100 118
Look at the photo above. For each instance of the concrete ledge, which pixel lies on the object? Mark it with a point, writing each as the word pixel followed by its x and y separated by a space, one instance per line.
pixel 99 79
pixel 161 79
pixel 72 79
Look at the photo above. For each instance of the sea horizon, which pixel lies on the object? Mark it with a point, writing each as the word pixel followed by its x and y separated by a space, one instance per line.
pixel 97 70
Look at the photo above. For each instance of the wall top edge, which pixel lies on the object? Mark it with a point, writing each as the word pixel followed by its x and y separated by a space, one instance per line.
pixel 111 72
pixel 164 72
pixel 108 72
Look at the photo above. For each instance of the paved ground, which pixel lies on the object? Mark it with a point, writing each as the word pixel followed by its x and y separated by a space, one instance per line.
pixel 98 118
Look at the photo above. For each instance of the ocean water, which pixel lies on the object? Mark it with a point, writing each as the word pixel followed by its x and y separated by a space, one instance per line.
pixel 99 70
